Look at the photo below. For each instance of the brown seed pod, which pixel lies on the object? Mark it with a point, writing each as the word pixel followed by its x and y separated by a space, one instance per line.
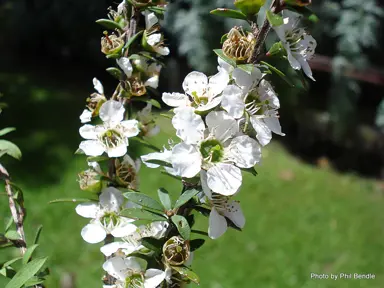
pixel 239 46
pixel 176 251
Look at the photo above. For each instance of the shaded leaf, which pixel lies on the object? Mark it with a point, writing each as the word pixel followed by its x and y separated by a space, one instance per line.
pixel 10 262
pixel 202 210
pixel 274 19
pixel 34 281
pixel 10 149
pixel 141 214
pixel 220 53
pixel 37 236
pixel 199 232
pixel 182 226
pixel 229 13
pixel 145 143
pixel 109 24
pixel 165 199
pixel 159 162
pixel 305 11
pixel 133 39
pixel 186 272
pixel 250 170
pixel 185 197
pixel 152 244
pixel 196 244
pixel 144 200
pixel 115 72
pixel 97 159
pixel 248 68
pixel 26 273
pixel 6 130
pixel 278 72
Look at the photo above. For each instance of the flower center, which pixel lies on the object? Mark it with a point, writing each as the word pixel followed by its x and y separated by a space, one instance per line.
pixel 212 150
pixel 111 138
pixel 200 99
pixel 110 219
pixel 134 281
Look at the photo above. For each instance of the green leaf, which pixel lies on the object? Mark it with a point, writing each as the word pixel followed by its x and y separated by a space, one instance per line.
pixel 141 214
pixel 249 7
pixel 133 39
pixel 276 49
pixel 26 272
pixel 186 272
pixel 109 24
pixel 154 103
pixel 220 53
pixel 10 148
pixel 9 224
pixel 37 236
pixel 278 72
pixel 182 226
pixel 34 281
pixel 115 72
pixel 157 9
pixel 274 19
pixel 223 38
pixel 73 200
pixel 97 159
pixel 202 210
pixel 168 116
pixel 113 56
pixel 185 197
pixel 159 162
pixel 196 244
pixel 152 244
pixel 10 262
pixel 6 130
pixel 229 13
pixel 8 272
pixel 165 199
pixel 248 68
pixel 12 235
pixel 250 170
pixel 29 252
pixel 144 200
pixel 199 232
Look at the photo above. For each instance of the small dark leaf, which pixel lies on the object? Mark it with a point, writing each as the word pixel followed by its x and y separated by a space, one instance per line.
pixel 185 197
pixel 145 143
pixel 159 162
pixel 165 199
pixel 115 72
pixel 109 24
pixel 97 159
pixel 196 244
pixel 186 272
pixel 278 72
pixel 144 200
pixel 229 13
pixel 152 244
pixel 191 219
pixel 250 170
pixel 202 210
pixel 133 39
pixel 141 214
pixel 182 226
pixel 199 232
pixel 305 11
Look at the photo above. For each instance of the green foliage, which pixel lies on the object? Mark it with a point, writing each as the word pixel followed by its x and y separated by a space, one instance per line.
pixel 26 273
pixel 185 197
pixel 141 214
pixel 182 226
pixel 229 13
pixel 144 200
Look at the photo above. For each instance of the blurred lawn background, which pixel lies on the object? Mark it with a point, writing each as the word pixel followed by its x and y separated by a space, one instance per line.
pixel 316 205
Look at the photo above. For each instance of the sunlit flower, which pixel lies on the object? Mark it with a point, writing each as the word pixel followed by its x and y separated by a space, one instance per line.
pixel 112 136
pixel 153 38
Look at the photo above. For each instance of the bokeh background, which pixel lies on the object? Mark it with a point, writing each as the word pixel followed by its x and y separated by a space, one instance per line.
pixel 315 207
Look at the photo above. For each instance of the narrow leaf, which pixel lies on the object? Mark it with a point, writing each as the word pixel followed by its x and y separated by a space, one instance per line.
pixel 182 226
pixel 185 271
pixel 26 272
pixel 202 210
pixel 109 24
pixel 145 143
pixel 250 170
pixel 152 244
pixel 10 148
pixel 248 68
pixel 6 130
pixel 278 72
pixel 37 236
pixel 10 262
pixel 144 200
pixel 196 244
pixel 34 281
pixel 154 103
pixel 97 159
pixel 141 214
pixel 115 72
pixel 185 197
pixel 12 235
pixel 29 252
pixel 165 199
pixel 229 13
pixel 73 200
pixel 133 39
pixel 220 53
pixel 199 232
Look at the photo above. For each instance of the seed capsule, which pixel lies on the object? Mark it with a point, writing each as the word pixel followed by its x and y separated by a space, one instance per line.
pixel 176 251
pixel 238 45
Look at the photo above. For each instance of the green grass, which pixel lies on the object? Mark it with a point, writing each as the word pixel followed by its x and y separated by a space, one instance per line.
pixel 300 219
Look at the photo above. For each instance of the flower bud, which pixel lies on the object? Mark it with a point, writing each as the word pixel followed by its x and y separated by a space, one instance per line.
pixel 176 251
pixel 239 46
pixel 111 44
pixel 249 7
pixel 90 181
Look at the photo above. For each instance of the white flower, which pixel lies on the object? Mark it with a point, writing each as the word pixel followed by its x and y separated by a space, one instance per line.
pixel 203 92
pixel 148 125
pixel 153 72
pixel 112 136
pixel 98 86
pixel 155 40
pixel 131 272
pixel 86 116
pixel 165 156
pixel 222 207
pixel 125 65
pixel 299 45
pixel 105 218
pixel 221 153
pixel 260 103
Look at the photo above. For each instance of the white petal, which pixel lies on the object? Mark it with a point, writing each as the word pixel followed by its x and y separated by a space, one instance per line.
pixel 111 199
pixel 93 233
pixel 88 210
pixel 162 50
pixel 224 179
pixel 113 247
pixel 221 125
pixel 306 68
pixel 112 111
pixel 150 20
pixel 116 267
pixel 153 39
pixel 86 116
pixel 266 92
pixel 195 82
pixel 292 59
pixel 235 214
pixel 124 228
pixel 186 160
pixel 217 224
pixel 189 126
pixel 158 229
pixel 242 79
pixel 118 151
pixel 152 82
pixel 263 133
pixel 224 65
pixel 88 131
pixel 125 65
pixel 176 99
pixel 233 101
pixel 136 264
pixel 92 147
pixel 217 83
pixel 244 151
pixel 165 156
pixel 273 123
pixel 98 86
pixel 203 179
pixel 153 278
pixel 130 128
pixel 210 105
